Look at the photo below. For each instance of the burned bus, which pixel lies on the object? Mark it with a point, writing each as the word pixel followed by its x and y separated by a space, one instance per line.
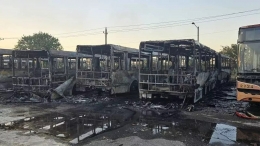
pixel 248 71
pixel 180 68
pixel 42 70
pixel 5 69
pixel 111 68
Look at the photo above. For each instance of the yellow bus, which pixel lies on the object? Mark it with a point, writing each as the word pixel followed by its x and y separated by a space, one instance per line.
pixel 248 71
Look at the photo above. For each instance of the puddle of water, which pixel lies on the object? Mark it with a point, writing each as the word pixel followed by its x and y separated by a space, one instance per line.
pixel 73 129
pixel 224 134
pixel 210 133
pixel 78 127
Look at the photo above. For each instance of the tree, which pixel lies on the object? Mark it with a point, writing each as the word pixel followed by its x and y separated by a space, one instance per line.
pixel 39 41
pixel 231 51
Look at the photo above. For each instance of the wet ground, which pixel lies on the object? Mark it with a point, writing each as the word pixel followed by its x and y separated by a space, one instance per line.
pixel 125 120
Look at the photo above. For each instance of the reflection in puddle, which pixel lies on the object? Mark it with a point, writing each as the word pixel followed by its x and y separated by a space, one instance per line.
pixel 61 135
pixel 90 133
pixel 77 128
pixel 210 133
pixel 88 124
pixel 73 129
pixel 49 126
pixel 29 132
pixel 224 134
pixel 58 118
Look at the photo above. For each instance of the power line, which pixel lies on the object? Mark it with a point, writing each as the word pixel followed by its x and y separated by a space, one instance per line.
pixel 79 35
pixel 164 24
pixel 11 38
pixel 159 26
pixel 179 21
pixel 194 19
pixel 190 35
pixel 172 25
pixel 215 32
pixel 79 31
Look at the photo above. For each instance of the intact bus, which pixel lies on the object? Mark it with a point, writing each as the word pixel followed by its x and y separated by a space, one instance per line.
pixel 248 71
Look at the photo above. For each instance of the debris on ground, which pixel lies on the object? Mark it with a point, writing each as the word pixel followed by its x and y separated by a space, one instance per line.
pixel 246 115
pixel 190 108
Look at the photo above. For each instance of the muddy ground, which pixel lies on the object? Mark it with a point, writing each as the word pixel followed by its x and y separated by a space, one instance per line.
pixel 94 119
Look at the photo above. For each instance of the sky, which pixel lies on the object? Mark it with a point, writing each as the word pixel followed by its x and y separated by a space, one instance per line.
pixel 82 22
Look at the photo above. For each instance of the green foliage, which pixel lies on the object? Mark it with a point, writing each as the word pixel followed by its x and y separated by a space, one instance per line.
pixel 231 51
pixel 39 41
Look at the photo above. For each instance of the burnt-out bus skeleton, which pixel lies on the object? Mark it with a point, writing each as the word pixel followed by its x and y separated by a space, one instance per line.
pixel 181 68
pixel 38 71
pixel 112 68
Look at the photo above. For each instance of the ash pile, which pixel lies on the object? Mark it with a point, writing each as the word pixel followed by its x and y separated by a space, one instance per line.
pixel 63 93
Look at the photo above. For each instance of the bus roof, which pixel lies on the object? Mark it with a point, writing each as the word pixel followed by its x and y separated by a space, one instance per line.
pixel 251 26
pixel 184 46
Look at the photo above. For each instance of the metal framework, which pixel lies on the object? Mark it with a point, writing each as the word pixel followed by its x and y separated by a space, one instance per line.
pixel 5 69
pixel 178 68
pixel 38 71
pixel 111 68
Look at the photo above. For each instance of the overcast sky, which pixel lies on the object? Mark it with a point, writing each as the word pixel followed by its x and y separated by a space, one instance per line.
pixel 69 20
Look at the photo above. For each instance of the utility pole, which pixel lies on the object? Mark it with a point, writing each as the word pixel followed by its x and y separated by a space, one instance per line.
pixel 105 32
pixel 198 31
pixel 198 37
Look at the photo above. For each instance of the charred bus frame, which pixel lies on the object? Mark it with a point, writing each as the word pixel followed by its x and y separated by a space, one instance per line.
pixel 180 68
pixel 5 58
pixel 44 70
pixel 112 68
pixel 5 69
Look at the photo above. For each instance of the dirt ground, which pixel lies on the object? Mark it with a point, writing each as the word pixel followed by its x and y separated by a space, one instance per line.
pixel 125 120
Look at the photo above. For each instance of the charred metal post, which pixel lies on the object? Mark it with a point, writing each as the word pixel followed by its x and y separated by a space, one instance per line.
pixel 199 60
pixel 28 65
pixel 66 69
pixel 161 67
pixel 187 62
pixel 126 61
pixel 139 70
pixel 194 58
pixel 77 60
pixel 50 60
pixel 151 62
pixel 19 62
pixel 1 61
pixel 33 63
pixel 130 62
pixel 13 67
pixel 112 64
